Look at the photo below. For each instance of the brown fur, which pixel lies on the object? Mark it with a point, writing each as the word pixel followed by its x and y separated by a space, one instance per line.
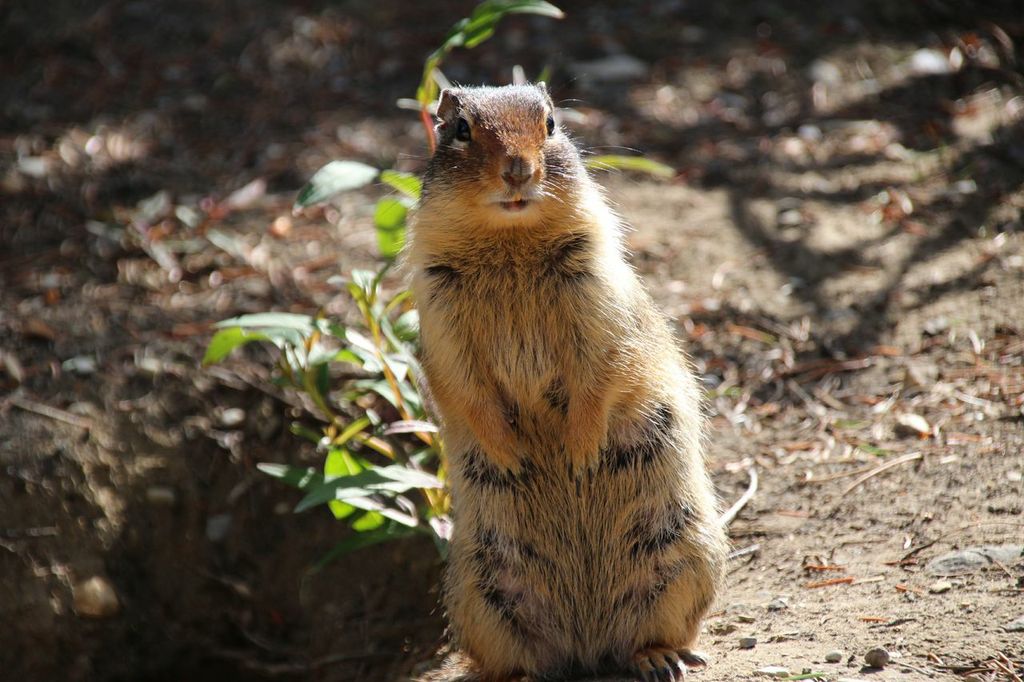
pixel 586 533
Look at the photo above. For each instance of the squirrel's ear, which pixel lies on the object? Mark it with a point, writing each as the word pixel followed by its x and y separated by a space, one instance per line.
pixel 448 103
pixel 543 87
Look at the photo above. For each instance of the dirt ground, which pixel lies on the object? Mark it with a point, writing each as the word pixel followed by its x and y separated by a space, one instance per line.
pixel 842 251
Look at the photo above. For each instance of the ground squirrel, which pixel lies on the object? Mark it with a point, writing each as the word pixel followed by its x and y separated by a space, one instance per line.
pixel 586 533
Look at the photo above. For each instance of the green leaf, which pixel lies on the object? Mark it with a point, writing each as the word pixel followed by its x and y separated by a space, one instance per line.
pixel 411 477
pixel 873 449
pixel 406 183
pixel 345 355
pixel 303 431
pixel 478 34
pixel 346 435
pixel 503 7
pixel 322 378
pixel 389 219
pixel 371 520
pixel 333 179
pixel 227 340
pixel 410 426
pixel 306 324
pixel 407 327
pixel 631 163
pixel 391 531
pixel 300 477
pixel 390 479
pixel 363 286
pixel 320 354
pixel 340 462
pixel 381 387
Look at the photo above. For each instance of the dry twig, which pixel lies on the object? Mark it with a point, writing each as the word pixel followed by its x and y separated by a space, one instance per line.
pixel 730 515
pixel 879 469
pixel 45 410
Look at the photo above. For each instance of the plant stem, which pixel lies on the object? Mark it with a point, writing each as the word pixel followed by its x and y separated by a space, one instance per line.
pixel 428 127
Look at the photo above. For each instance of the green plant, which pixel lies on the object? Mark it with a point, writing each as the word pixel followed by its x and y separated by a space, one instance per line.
pixel 383 462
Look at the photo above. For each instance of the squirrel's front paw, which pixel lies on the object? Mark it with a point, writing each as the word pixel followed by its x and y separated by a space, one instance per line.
pixel 503 456
pixel 584 451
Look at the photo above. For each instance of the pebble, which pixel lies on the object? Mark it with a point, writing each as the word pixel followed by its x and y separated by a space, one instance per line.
pixel 910 424
pixel 877 658
pixel 778 604
pixel 95 598
pixel 825 72
pixel 927 62
pixel 1015 625
pixel 748 642
pixel 834 656
pixel 80 364
pixel 281 227
pixel 774 671
pixel 940 586
pixel 231 417
pixel 808 132
pixel 790 218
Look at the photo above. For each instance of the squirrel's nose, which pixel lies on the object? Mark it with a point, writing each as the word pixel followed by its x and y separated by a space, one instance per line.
pixel 517 171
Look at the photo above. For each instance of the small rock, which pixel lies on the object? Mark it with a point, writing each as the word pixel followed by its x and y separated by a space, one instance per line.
pixel 825 72
pixel 834 656
pixel 95 598
pixel 778 604
pixel 80 364
pixel 743 618
pixel 808 132
pixel 910 424
pixel 877 658
pixel 232 417
pixel 281 227
pixel 973 559
pixel 774 671
pixel 162 495
pixel 722 628
pixel 926 62
pixel 1015 625
pixel 790 218
pixel 940 586
pixel 748 642
pixel 1014 476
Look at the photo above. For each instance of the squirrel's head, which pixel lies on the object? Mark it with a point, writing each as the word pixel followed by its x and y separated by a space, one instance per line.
pixel 501 157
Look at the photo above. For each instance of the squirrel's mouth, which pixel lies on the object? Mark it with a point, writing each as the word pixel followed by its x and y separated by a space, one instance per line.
pixel 514 206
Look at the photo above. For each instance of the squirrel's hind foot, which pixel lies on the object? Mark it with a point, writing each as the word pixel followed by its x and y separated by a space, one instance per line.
pixel 664 664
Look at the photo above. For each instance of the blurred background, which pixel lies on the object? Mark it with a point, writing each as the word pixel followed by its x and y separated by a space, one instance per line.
pixel 840 246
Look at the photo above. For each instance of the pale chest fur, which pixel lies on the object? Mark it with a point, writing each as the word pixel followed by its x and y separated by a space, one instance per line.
pixel 526 323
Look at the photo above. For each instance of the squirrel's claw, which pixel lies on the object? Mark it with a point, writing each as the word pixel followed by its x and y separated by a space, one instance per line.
pixel 658 664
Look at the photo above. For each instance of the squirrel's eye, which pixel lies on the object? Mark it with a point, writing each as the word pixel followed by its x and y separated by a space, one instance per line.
pixel 551 125
pixel 462 133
